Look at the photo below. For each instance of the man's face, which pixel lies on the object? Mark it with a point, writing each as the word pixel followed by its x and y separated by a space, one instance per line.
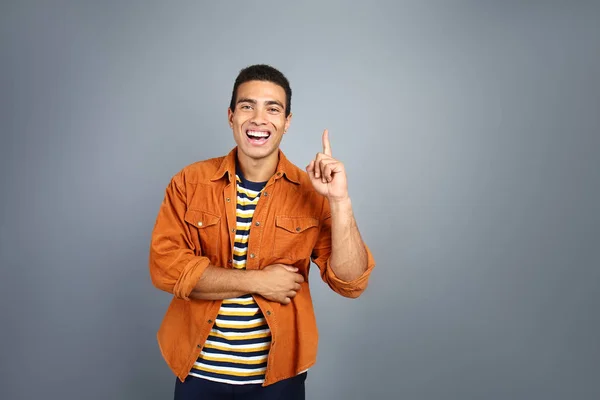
pixel 258 120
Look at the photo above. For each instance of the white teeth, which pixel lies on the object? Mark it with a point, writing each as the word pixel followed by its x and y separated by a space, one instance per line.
pixel 258 134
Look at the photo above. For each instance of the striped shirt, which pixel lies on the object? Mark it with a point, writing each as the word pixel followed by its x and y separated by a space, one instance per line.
pixel 238 345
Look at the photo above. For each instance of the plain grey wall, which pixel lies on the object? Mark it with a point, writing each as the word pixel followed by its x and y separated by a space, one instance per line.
pixel 470 131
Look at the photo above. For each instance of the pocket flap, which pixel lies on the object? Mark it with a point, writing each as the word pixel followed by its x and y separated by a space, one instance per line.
pixel 296 224
pixel 201 219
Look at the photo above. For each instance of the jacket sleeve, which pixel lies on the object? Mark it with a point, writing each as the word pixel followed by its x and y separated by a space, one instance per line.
pixel 174 265
pixel 321 256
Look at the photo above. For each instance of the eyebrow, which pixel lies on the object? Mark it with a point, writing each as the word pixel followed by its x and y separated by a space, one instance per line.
pixel 267 103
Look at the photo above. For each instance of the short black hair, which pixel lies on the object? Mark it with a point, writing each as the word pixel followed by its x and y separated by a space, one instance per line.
pixel 263 72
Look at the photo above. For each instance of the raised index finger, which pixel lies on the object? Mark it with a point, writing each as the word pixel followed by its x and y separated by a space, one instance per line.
pixel 326 145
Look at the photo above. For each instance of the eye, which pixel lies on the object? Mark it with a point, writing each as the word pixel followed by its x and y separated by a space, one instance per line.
pixel 274 110
pixel 246 107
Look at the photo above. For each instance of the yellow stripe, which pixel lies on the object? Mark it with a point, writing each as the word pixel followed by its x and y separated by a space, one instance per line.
pixel 242 240
pixel 225 311
pixel 243 201
pixel 245 350
pixel 214 371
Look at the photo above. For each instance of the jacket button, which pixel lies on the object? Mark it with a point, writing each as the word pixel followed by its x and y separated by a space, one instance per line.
pixel 266 194
pixel 200 223
pixel 210 321
pixel 228 199
pixel 298 229
pixel 268 312
pixel 233 230
pixel 252 255
pixel 257 223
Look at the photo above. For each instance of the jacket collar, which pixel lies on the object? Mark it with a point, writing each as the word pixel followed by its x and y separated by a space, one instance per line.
pixel 284 168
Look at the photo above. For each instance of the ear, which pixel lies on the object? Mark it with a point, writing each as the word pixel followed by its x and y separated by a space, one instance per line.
pixel 230 117
pixel 288 120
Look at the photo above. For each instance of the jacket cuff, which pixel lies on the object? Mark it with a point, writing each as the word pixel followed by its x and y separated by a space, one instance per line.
pixel 355 287
pixel 189 277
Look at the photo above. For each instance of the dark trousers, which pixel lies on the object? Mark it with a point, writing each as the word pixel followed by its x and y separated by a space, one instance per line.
pixel 201 389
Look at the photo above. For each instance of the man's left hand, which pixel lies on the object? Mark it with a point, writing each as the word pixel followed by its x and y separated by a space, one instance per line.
pixel 327 174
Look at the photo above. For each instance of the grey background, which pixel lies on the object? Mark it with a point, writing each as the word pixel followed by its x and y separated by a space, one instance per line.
pixel 470 132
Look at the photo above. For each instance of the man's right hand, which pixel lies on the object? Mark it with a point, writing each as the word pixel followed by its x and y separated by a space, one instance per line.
pixel 279 282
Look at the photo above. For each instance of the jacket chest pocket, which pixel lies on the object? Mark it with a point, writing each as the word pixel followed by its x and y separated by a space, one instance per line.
pixel 295 237
pixel 205 228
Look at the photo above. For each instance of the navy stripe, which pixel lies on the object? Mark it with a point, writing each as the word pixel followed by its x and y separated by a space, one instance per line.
pixel 237 353
pixel 249 306
pixel 241 330
pixel 258 314
pixel 234 365
pixel 256 186
pixel 239 258
pixel 231 378
pixel 244 220
pixel 232 305
pixel 246 207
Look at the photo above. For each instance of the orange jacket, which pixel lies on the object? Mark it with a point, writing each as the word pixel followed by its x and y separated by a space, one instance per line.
pixel 196 227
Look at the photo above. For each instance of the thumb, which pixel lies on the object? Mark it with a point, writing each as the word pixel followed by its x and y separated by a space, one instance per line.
pixel 290 268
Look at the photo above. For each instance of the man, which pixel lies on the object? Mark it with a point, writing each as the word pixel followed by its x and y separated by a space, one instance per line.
pixel 233 242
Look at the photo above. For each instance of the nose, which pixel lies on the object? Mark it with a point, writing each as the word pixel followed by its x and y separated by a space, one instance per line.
pixel 258 117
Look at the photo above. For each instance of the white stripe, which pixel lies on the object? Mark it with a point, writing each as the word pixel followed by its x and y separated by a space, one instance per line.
pixel 237 334
pixel 240 249
pixel 247 202
pixel 240 237
pixel 236 262
pixel 210 378
pixel 240 323
pixel 238 299
pixel 243 225
pixel 239 346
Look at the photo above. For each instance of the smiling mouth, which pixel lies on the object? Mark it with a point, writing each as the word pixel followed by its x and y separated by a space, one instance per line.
pixel 257 135
pixel 257 138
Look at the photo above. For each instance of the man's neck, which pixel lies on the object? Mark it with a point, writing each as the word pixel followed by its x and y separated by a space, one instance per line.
pixel 258 170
